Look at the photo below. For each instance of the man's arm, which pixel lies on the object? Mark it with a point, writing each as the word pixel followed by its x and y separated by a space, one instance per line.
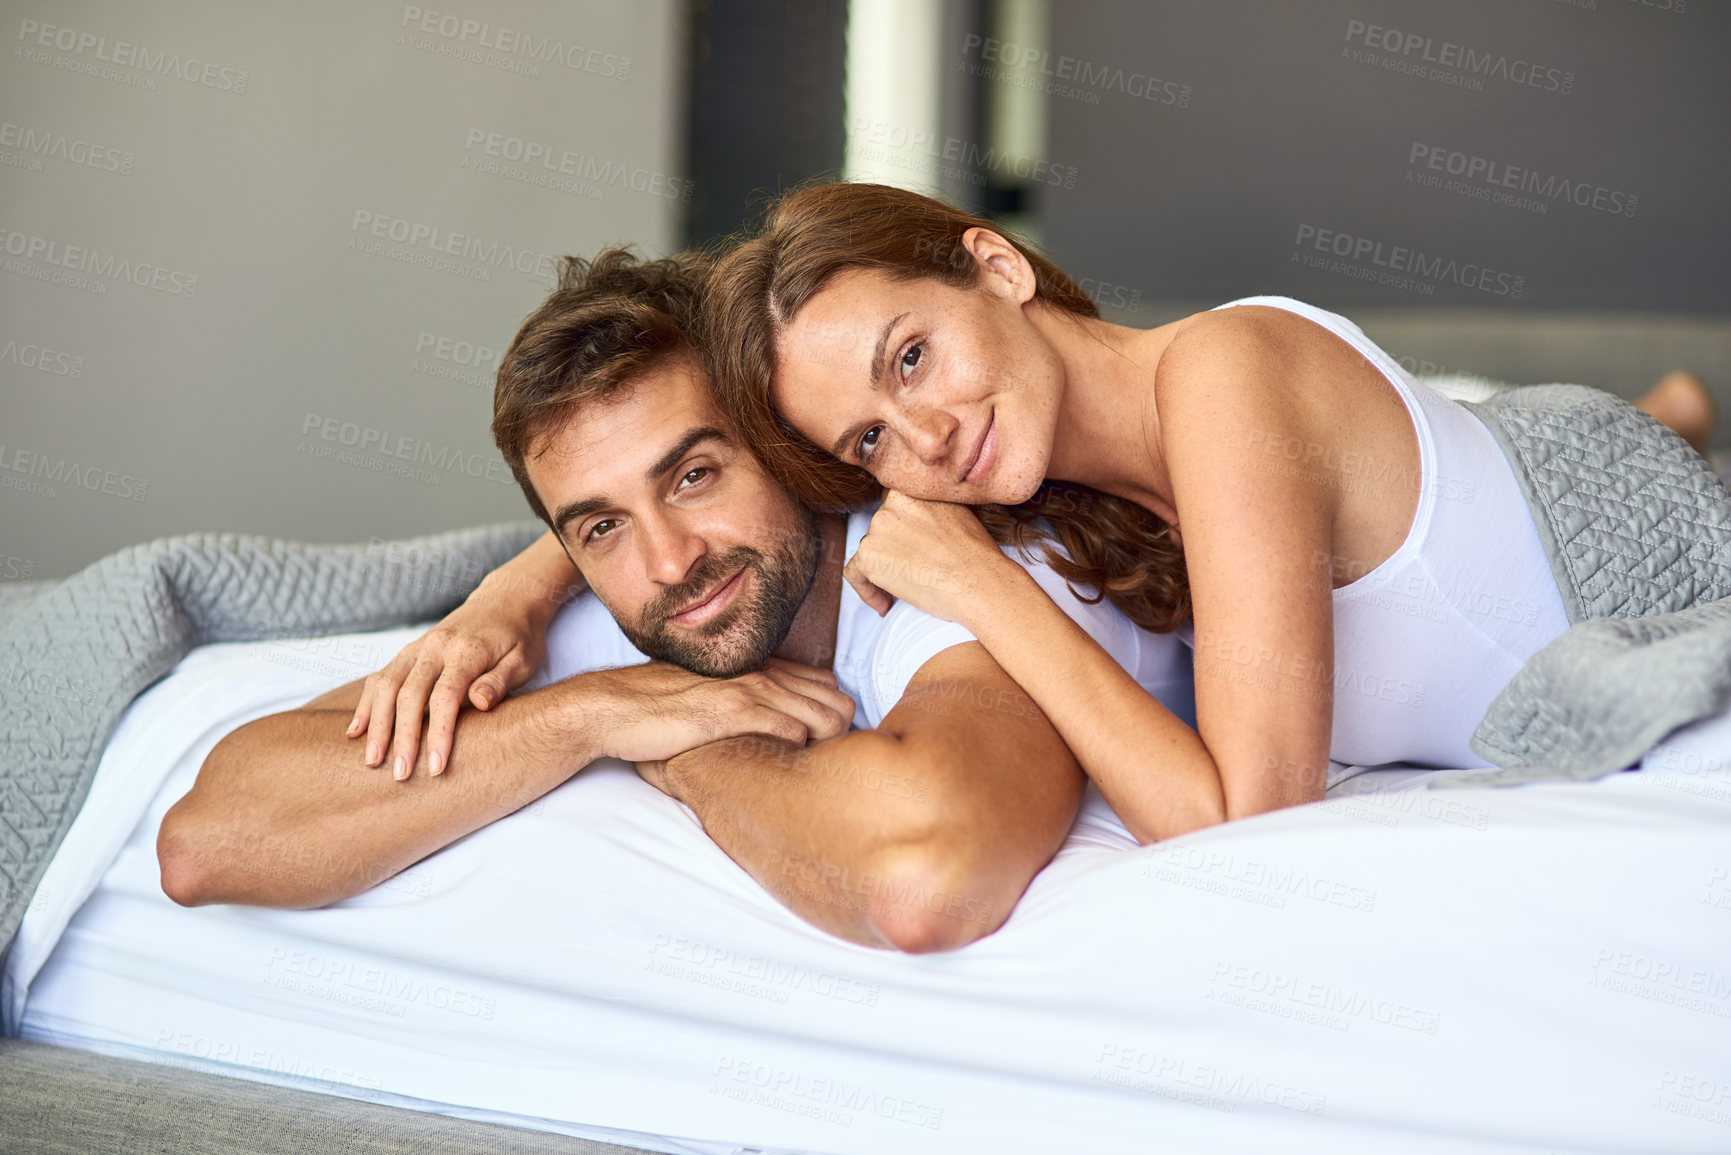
pixel 920 835
pixel 285 812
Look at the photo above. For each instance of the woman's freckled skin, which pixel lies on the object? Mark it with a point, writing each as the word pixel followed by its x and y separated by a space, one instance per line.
pixel 957 361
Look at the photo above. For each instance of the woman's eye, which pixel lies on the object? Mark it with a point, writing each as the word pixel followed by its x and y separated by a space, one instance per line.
pixel 600 529
pixel 692 477
pixel 868 441
pixel 911 358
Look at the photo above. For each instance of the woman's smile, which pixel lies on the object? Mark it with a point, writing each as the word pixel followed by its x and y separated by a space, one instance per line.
pixel 984 455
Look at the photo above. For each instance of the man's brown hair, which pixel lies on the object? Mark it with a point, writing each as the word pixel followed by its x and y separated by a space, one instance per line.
pixel 611 320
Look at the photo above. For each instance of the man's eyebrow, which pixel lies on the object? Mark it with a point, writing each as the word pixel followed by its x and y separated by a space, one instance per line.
pixel 878 356
pixel 576 510
pixel 690 441
pixel 573 511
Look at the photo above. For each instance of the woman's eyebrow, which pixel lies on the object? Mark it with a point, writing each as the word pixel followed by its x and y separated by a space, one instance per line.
pixel 848 437
pixel 878 357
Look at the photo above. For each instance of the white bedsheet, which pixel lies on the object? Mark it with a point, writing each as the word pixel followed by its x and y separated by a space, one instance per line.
pixel 1540 969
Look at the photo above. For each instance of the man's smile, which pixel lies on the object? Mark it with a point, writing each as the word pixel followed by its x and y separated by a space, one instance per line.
pixel 712 604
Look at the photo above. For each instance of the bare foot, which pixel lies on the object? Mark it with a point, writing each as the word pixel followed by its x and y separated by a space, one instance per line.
pixel 1682 401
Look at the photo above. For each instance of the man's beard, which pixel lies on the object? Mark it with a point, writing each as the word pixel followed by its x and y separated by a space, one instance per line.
pixel 744 635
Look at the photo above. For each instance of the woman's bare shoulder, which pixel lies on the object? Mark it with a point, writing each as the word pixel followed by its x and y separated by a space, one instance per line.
pixel 1209 344
pixel 1267 360
pixel 1232 365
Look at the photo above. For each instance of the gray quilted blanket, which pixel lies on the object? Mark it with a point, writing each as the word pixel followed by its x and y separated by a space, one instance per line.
pixel 74 654
pixel 1638 530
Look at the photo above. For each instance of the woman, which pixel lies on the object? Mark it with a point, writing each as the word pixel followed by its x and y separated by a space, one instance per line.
pixel 1357 560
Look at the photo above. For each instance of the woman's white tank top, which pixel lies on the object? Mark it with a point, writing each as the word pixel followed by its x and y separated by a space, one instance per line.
pixel 1425 641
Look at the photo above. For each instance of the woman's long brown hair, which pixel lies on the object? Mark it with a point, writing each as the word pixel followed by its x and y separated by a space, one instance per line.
pixel 1115 547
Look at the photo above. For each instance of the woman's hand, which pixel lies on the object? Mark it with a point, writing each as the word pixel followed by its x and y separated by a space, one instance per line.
pixel 931 553
pixel 482 650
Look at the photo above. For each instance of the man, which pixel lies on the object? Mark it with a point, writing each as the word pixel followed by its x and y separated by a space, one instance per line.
pixel 924 831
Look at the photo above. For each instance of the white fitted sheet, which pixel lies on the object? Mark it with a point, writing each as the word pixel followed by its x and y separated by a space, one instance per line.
pixel 1540 969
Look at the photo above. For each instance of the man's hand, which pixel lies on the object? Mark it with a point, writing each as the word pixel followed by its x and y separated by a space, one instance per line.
pixel 833 709
pixel 650 713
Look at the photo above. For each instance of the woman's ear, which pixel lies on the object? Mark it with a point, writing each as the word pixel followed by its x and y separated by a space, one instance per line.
pixel 1004 270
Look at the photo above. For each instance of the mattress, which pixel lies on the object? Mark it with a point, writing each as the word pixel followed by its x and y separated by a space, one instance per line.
pixel 1539 969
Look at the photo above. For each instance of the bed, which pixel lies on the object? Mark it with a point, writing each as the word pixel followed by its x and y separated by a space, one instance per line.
pixel 1400 967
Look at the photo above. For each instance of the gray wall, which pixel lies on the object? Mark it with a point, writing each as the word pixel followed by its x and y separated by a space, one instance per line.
pixel 189 193
pixel 273 251
pixel 1299 148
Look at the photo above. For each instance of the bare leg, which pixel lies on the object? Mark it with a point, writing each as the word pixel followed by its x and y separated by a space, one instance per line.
pixel 1682 401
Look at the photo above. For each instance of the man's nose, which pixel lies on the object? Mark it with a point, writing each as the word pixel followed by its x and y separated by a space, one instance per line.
pixel 931 434
pixel 670 550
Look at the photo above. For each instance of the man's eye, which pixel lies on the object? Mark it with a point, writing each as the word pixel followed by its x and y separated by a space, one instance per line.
pixel 692 477
pixel 868 441
pixel 911 358
pixel 601 529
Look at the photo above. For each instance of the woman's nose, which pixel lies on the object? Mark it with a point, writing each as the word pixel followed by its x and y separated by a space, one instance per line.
pixel 931 434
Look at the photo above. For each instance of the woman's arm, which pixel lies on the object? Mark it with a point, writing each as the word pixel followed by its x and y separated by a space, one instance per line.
pixel 482 650
pixel 1152 768
pixel 1254 531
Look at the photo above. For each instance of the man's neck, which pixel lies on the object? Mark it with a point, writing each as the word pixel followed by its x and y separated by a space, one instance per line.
pixel 811 640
